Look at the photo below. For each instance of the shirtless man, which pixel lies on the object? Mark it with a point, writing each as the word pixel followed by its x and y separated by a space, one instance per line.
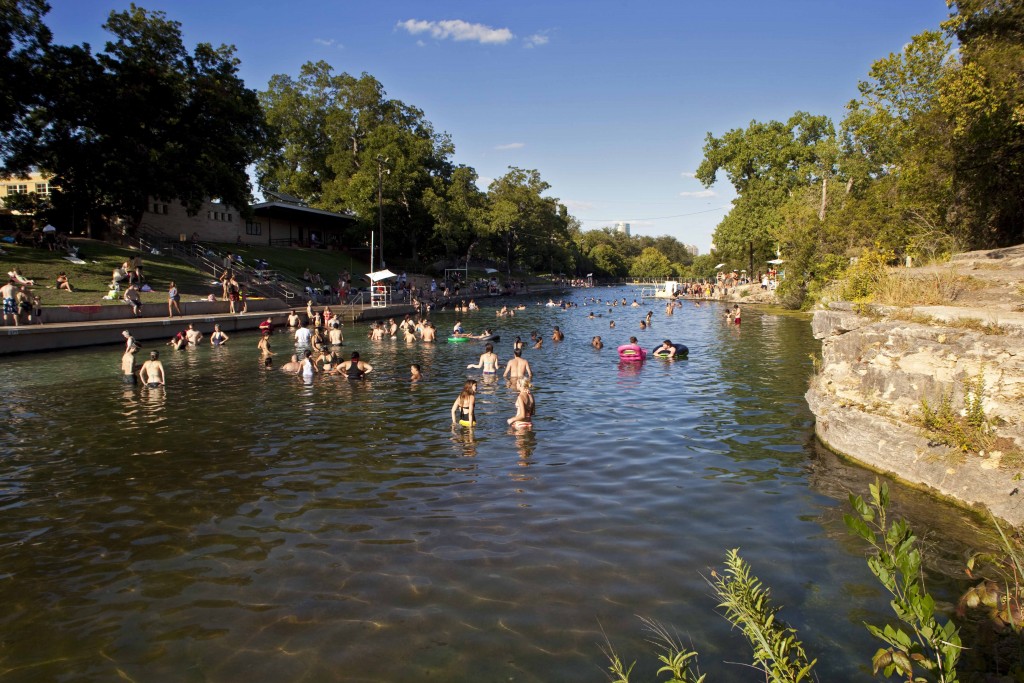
pixel 129 340
pixel 414 372
pixel 292 366
pixel 131 297
pixel 429 332
pixel 152 371
pixel 193 336
pixel 293 319
pixel 128 364
pixel 334 336
pixel 517 366
pixel 557 335
pixel 7 292
pixel 488 361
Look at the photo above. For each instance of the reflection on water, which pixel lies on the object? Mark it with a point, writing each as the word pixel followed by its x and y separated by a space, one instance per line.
pixel 242 523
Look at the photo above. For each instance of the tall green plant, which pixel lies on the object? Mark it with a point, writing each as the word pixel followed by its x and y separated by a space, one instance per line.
pixel 747 604
pixel 925 650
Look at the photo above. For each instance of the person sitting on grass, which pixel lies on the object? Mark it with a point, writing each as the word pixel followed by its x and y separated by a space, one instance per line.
pixel 62 282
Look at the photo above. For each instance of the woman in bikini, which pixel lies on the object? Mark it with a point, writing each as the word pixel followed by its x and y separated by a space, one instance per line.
pixel 464 408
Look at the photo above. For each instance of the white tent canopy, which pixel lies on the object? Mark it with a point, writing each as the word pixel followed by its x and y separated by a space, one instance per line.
pixel 776 261
pixel 49 228
pixel 720 265
pixel 380 275
pixel 490 270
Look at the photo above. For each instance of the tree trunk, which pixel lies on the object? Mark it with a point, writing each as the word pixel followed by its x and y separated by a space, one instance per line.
pixel 824 197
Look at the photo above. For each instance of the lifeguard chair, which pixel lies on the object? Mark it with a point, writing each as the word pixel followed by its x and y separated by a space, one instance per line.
pixel 380 291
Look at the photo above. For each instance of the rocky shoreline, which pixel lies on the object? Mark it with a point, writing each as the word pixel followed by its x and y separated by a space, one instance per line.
pixel 879 362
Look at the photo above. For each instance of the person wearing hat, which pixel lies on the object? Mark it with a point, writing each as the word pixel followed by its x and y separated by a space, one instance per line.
pixel 129 340
pixel 152 371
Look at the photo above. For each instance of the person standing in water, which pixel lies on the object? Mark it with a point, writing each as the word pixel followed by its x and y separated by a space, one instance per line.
pixel 464 408
pixel 128 365
pixel 526 407
pixel 517 366
pixel 152 371
pixel 218 337
pixel 354 368
pixel 488 361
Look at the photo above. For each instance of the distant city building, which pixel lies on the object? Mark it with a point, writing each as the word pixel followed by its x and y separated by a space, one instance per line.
pixel 622 228
pixel 692 249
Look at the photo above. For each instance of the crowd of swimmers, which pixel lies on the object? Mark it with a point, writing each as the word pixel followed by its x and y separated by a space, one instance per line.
pixel 319 339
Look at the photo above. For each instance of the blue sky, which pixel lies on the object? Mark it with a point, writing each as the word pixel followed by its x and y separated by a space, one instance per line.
pixel 609 100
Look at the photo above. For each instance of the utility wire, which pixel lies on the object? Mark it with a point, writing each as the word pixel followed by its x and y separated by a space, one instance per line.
pixel 658 218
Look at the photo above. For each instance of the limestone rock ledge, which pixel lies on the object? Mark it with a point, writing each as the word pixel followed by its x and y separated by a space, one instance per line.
pixel 867 397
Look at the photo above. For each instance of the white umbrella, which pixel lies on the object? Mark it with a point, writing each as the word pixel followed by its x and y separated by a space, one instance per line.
pixel 776 261
pixel 49 228
pixel 720 265
pixel 380 275
pixel 490 270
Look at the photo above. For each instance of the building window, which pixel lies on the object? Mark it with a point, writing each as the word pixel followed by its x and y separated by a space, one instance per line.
pixel 17 189
pixel 43 189
pixel 160 208
pixel 253 228
pixel 230 219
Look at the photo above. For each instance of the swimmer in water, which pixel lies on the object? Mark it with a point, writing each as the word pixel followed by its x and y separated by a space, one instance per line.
pixel 152 371
pixel 414 372
pixel 128 364
pixel 526 407
pixel 464 408
pixel 218 337
pixel 354 368
pixel 611 324
pixel 292 366
pixel 488 361
pixel 597 343
pixel 666 349
pixel 517 366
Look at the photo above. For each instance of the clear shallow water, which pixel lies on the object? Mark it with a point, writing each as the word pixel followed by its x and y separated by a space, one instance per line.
pixel 244 525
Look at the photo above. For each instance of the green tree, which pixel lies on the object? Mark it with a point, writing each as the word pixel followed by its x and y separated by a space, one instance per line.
pixel 983 95
pixel 608 260
pixel 334 132
pixel 143 119
pixel 24 40
pixel 520 217
pixel 651 263
pixel 459 209
pixel 766 162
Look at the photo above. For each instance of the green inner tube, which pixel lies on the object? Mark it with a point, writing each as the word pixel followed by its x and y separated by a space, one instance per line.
pixel 458 339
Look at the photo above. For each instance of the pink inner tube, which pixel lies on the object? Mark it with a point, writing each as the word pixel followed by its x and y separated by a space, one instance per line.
pixel 631 353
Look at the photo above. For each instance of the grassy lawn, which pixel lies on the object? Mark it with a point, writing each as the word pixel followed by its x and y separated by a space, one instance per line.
pixel 295 260
pixel 91 279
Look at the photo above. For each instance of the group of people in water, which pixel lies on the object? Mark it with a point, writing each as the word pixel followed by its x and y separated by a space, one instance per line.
pixel 319 339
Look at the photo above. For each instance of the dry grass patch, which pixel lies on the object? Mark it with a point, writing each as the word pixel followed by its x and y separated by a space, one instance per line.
pixel 902 287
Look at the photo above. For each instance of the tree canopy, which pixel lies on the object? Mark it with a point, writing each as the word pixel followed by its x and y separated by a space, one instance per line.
pixel 928 159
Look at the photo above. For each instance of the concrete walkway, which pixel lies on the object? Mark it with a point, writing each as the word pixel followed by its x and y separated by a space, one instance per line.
pixel 71 333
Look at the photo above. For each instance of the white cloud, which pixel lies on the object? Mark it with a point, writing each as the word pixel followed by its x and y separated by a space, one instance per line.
pixel 512 145
pixel 576 205
pixel 328 42
pixel 483 182
pixel 688 174
pixel 699 194
pixel 536 40
pixel 458 30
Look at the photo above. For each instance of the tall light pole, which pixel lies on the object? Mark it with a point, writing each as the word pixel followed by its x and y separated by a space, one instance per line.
pixel 381 163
